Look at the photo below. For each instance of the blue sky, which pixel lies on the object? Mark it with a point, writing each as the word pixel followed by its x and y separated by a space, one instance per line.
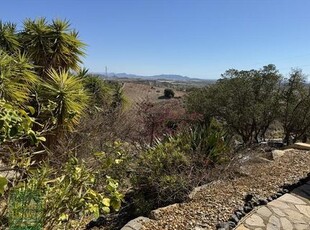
pixel 196 38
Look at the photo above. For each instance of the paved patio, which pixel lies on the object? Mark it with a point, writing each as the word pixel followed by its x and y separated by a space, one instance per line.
pixel 289 212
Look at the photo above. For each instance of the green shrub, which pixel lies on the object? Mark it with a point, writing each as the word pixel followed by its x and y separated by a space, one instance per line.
pixel 246 101
pixel 209 141
pixel 168 93
pixel 161 176
pixel 114 161
pixel 69 193
pixel 167 172
pixel 100 91
pixel 16 124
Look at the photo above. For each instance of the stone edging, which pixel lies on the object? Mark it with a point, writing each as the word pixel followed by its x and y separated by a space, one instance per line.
pixel 251 203
pixel 136 223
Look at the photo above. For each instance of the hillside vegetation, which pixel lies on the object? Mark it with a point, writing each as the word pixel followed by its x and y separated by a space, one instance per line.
pixel 92 147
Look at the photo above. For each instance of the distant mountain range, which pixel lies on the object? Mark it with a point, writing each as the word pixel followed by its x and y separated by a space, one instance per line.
pixel 168 77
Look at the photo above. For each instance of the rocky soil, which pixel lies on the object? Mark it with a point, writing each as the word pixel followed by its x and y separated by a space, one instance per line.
pixel 217 201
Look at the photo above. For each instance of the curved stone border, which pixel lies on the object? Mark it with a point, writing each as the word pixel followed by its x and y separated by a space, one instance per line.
pixel 136 223
pixel 251 203
pixel 291 211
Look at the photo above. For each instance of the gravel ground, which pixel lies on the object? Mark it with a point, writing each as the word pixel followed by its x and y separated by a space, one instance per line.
pixel 217 201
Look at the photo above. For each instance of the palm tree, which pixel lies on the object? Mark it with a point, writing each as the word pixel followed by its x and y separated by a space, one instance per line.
pixel 67 92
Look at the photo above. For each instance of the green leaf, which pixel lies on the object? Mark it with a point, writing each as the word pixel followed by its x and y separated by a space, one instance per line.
pixel 106 202
pixel 63 217
pixel 31 110
pixel 3 183
pixel 118 161
pixel 106 209
pixel 99 154
pixel 41 139
pixel 115 204
pixel 32 136
pixel 94 209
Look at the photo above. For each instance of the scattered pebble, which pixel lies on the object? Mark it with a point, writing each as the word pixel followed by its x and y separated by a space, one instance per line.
pixel 217 203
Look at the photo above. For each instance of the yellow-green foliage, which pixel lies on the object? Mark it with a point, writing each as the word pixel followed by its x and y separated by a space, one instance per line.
pixel 51 44
pixel 16 124
pixel 70 193
pixel 159 178
pixel 211 141
pixel 17 77
pixel 69 96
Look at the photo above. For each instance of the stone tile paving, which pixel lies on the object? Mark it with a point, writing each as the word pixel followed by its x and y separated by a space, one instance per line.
pixel 289 212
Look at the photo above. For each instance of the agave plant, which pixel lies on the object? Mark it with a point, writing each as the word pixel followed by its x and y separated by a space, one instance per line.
pixel 67 92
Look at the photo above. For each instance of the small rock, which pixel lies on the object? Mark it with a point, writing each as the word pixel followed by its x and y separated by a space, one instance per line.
pixel 262 202
pixel 270 199
pixel 231 224
pixel 256 203
pixel 276 154
pixel 136 224
pixel 278 194
pixel 248 198
pixel 247 209
pixel 239 214
pixel 234 218
pixel 223 226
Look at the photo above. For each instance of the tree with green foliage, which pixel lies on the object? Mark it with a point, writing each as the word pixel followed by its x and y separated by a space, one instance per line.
pixel 295 106
pixel 69 97
pixel 246 101
pixel 101 91
pixel 42 90
pixel 9 41
pixel 17 77
pixel 168 93
pixel 51 45
pixel 49 52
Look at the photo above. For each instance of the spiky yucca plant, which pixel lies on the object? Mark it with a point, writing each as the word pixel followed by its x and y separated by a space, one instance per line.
pixel 8 37
pixel 52 45
pixel 17 77
pixel 68 93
